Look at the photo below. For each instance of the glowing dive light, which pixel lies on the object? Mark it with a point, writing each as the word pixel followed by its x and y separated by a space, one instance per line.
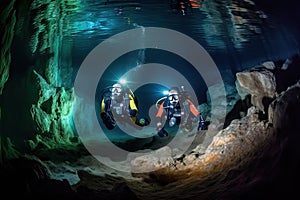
pixel 123 81
pixel 165 92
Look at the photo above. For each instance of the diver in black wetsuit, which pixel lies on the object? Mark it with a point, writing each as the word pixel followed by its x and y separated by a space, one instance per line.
pixel 181 6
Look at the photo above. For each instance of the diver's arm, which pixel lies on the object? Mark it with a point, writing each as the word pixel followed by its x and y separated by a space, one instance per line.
pixel 132 107
pixel 102 106
pixel 196 113
pixel 193 108
pixel 159 116
pixel 160 110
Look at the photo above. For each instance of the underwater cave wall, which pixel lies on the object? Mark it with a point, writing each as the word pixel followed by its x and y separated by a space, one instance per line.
pixel 10 25
pixel 52 112
pixel 35 109
pixel 7 24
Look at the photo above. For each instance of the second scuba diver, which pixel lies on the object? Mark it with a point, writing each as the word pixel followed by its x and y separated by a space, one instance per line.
pixel 178 110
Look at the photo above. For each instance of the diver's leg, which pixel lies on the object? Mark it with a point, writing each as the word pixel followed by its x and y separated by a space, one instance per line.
pixel 108 120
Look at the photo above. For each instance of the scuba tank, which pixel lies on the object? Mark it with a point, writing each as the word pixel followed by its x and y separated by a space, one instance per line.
pixel 185 104
pixel 173 113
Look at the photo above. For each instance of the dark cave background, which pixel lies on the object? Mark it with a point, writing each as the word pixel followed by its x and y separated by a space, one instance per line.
pixel 45 42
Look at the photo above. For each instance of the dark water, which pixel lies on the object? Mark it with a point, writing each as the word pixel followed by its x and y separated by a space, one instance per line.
pixel 236 34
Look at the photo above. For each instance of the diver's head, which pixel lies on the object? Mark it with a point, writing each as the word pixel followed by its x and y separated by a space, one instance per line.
pixel 173 96
pixel 117 90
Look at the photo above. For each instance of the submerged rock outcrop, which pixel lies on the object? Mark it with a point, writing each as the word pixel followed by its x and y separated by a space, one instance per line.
pixel 251 152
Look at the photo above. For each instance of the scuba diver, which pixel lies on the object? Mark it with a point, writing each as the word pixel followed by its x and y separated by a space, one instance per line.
pixel 181 6
pixel 119 103
pixel 177 115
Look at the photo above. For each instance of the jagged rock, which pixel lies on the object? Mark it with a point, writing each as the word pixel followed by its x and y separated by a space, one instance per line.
pixel 53 110
pixel 7 150
pixel 150 162
pixel 261 84
pixel 286 64
pixel 287 73
pixel 221 99
pixel 284 111
pixel 269 65
pixel 241 90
